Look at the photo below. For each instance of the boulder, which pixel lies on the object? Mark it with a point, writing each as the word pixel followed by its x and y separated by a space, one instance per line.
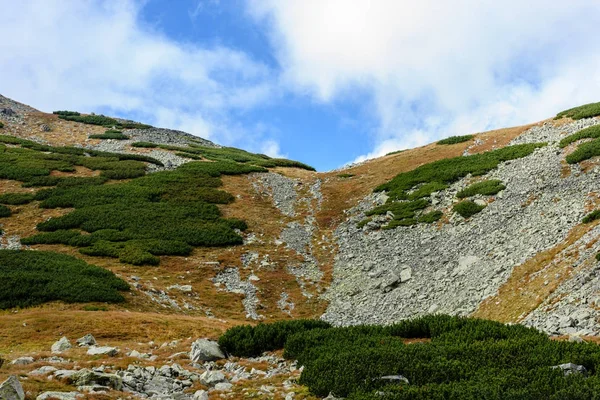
pixel 11 389
pixel 405 274
pixel 87 377
pixel 211 378
pixel 87 340
pixel 59 396
pixel 43 370
pixel 201 395
pixel 61 345
pixel 103 351
pixel 205 350
pixel 570 368
pixel 393 379
pixel 223 386
pixel 23 361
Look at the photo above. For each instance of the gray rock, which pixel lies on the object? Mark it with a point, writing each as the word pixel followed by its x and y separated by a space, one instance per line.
pixel 23 361
pixel 61 345
pixel 201 395
pixel 394 379
pixel 211 378
pixel 87 377
pixel 205 350
pixel 87 340
pixel 570 368
pixel 59 395
pixel 223 386
pixel 103 351
pixel 47 369
pixel 11 389
pixel 405 274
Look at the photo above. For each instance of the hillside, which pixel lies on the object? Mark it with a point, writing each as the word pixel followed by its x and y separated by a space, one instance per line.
pixel 145 236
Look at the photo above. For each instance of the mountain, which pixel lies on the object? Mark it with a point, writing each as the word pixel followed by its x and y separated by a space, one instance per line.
pixel 146 235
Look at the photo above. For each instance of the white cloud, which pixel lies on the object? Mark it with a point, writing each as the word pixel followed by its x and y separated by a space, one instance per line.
pixel 438 68
pixel 93 55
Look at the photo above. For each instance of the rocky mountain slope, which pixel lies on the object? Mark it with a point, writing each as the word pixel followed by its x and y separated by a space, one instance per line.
pixel 314 244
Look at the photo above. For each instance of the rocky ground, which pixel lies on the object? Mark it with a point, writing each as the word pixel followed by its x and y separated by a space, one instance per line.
pixel 203 371
pixel 383 276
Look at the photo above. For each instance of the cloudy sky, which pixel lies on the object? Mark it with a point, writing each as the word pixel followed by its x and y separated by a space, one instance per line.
pixel 324 81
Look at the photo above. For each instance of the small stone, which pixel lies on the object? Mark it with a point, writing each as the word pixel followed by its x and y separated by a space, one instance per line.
pixel 103 351
pixel 211 378
pixel 59 396
pixel 405 275
pixel 201 395
pixel 23 361
pixel 223 386
pixel 61 345
pixel 570 368
pixel 87 340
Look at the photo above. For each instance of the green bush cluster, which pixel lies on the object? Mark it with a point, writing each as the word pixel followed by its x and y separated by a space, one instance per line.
pixel 5 211
pixel 103 120
pixel 29 278
pixel 486 188
pixel 111 134
pixel 395 152
pixel 467 209
pixel 465 359
pixel 16 198
pixel 584 111
pixel 164 213
pixel 67 113
pixel 252 341
pixel 147 145
pixel 343 176
pixel 591 217
pixel 1 124
pixel 584 151
pixel 408 190
pixel 456 139
pixel 593 132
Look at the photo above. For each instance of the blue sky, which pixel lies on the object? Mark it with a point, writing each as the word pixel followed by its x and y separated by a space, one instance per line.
pixel 326 82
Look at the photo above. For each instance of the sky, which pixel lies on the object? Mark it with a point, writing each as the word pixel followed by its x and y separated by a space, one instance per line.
pixel 326 82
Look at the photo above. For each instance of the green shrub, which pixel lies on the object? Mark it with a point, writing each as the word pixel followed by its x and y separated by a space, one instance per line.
pixel 57 237
pixel 467 209
pixel 252 341
pixel 430 217
pixel 426 190
pixel 364 222
pixel 486 188
pixel 103 120
pixel 29 278
pixel 5 212
pixel 1 124
pixel 343 176
pixel 456 139
pixel 66 113
pixel 148 145
pixel 395 152
pixel 465 359
pixel 593 132
pixel 585 151
pixel 594 215
pixel 584 111
pixel 110 134
pixel 16 198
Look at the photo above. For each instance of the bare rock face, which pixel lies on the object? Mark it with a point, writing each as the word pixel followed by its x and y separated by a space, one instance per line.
pixel 11 389
pixel 205 350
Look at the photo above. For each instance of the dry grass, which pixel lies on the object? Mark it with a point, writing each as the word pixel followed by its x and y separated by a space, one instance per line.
pixel 532 282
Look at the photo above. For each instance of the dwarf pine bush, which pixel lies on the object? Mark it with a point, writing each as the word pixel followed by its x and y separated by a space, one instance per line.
pixel 456 139
pixel 29 278
pixel 464 359
pixel 467 209
pixel 486 188
pixel 584 111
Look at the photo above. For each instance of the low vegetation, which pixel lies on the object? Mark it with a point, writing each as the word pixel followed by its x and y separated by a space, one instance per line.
pixel 4 211
pixel 584 111
pixel 16 198
pixel 593 132
pixel 111 134
pixel 343 176
pixel 409 191
pixel 585 151
pixel 456 139
pixel 591 217
pixel 101 120
pixel 395 152
pixel 147 145
pixel 462 358
pixel 486 188
pixel 165 213
pixel 1 124
pixel 29 278
pixel 467 209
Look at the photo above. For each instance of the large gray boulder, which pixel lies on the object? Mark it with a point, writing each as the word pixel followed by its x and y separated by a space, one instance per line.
pixel 11 389
pixel 61 345
pixel 23 361
pixel 211 378
pixel 87 377
pixel 205 350
pixel 87 340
